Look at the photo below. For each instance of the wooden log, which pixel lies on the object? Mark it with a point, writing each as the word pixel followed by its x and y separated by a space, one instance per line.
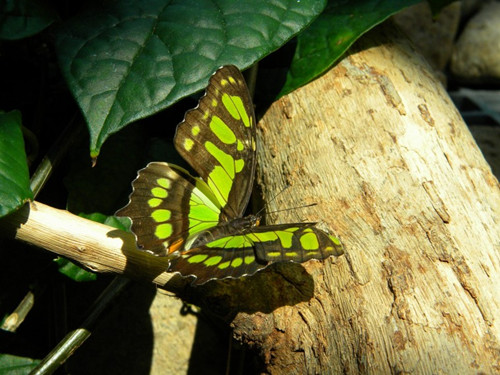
pixel 379 146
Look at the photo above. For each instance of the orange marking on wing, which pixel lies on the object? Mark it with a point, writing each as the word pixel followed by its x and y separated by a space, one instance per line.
pixel 175 246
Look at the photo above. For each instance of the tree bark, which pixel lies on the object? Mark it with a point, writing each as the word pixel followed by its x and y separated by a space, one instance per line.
pixel 379 146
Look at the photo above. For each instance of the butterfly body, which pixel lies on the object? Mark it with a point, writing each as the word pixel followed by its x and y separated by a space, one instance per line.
pixel 198 221
pixel 239 225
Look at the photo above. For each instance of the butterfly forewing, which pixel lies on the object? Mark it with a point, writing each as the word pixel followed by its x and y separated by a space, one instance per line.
pixel 217 139
pixel 292 242
pixel 255 248
pixel 168 207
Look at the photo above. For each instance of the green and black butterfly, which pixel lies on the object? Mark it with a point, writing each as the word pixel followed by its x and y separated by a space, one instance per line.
pixel 198 221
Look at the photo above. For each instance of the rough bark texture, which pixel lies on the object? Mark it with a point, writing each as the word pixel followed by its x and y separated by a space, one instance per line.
pixel 379 146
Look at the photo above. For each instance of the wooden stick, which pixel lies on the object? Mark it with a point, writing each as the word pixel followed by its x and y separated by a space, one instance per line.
pixel 96 246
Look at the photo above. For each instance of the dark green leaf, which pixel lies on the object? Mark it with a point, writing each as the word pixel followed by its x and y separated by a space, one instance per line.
pixel 74 271
pixel 332 33
pixel 104 188
pixel 135 58
pixel 13 365
pixel 22 18
pixel 113 221
pixel 438 5
pixel 14 176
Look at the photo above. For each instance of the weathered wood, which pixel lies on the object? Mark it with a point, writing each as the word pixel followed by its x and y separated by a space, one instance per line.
pixel 98 247
pixel 379 146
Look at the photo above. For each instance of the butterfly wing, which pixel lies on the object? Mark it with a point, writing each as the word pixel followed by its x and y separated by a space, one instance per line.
pixel 217 138
pixel 244 254
pixel 168 208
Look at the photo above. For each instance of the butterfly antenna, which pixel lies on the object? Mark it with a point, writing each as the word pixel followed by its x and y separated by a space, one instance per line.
pixel 270 200
pixel 283 209
pixel 293 208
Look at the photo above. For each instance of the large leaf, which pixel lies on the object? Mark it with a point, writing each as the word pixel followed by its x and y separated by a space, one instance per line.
pixel 23 18
pixel 332 33
pixel 74 271
pixel 104 188
pixel 134 58
pixel 14 176
pixel 13 365
pixel 438 5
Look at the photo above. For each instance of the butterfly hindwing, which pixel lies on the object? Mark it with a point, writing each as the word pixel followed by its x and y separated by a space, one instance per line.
pixel 217 138
pixel 168 207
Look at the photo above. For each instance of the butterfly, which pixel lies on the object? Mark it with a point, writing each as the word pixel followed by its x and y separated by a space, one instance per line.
pixel 198 222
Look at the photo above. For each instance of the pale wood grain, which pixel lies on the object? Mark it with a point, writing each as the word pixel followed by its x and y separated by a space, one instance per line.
pixel 98 247
pixel 379 146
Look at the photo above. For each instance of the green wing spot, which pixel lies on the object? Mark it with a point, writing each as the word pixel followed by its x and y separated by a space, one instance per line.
pixel 285 237
pixel 163 231
pixel 196 226
pixel 239 164
pixel 212 261
pixel 239 146
pixel 291 254
pixel 159 192
pixel 226 160
pixel 188 144
pixel 163 182
pixel 224 265
pixel 309 241
pixel 292 229
pixel 231 242
pixel 204 196
pixel 263 236
pixel 222 131
pixel 161 215
pixel 198 258
pixel 249 259
pixel 203 213
pixel 195 130
pixel 335 240
pixel 274 254
pixel 222 188
pixel 236 108
pixel 154 202
pixel 236 262
pixel 230 105
pixel 236 242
